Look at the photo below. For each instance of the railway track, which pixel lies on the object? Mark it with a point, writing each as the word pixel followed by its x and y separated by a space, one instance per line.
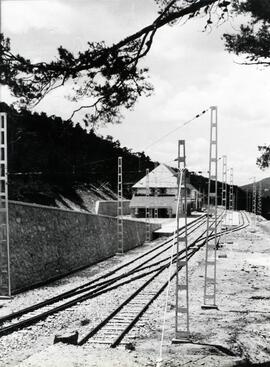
pixel 148 266
pixel 129 271
pixel 116 326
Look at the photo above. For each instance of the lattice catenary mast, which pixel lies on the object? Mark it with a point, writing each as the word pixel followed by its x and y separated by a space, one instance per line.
pixel 182 295
pixel 147 209
pixel 254 202
pixel 5 288
pixel 224 191
pixel 231 197
pixel 231 200
pixel 120 226
pixel 209 296
pixel 259 211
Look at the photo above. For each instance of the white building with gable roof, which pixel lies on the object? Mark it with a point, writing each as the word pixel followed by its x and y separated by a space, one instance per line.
pixel 162 193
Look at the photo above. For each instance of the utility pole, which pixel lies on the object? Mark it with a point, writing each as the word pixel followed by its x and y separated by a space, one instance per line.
pixel 224 192
pixel 224 183
pixel 147 209
pixel 209 297
pixel 120 226
pixel 182 289
pixel 231 206
pixel 254 204
pixel 5 286
pixel 259 211
pixel 156 196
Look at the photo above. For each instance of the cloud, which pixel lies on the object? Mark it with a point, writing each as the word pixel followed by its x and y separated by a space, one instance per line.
pixel 84 20
pixel 189 69
pixel 22 16
pixel 197 151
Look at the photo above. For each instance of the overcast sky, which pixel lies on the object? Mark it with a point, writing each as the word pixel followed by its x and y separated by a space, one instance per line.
pixel 188 67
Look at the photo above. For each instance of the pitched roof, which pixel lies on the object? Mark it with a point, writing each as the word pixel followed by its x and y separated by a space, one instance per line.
pixel 173 170
pixel 191 187
pixel 161 176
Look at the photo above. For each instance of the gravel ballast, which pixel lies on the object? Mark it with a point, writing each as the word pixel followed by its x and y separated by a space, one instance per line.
pixel 235 334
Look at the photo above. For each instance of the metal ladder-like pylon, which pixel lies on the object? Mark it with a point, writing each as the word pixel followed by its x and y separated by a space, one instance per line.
pixel 120 226
pixel 259 210
pixel 147 209
pixel 5 289
pixel 254 204
pixel 182 332
pixel 209 294
pixel 231 199
pixel 224 193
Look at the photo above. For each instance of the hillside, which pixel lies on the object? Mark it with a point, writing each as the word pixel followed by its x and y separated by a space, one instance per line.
pixel 52 162
pixel 248 189
pixel 265 187
pixel 201 184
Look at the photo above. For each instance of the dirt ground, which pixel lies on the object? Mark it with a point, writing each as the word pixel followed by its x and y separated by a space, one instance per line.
pixel 237 334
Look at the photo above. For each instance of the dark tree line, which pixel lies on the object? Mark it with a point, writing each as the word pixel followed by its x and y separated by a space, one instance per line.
pixel 47 155
pixel 201 184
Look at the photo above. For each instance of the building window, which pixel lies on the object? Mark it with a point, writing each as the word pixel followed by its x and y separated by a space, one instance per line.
pixel 162 191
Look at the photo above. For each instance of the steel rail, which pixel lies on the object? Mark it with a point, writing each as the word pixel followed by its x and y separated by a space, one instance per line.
pixel 120 337
pixel 118 340
pixel 93 294
pixel 103 289
pixel 96 292
pixel 88 285
pixel 91 285
pixel 119 308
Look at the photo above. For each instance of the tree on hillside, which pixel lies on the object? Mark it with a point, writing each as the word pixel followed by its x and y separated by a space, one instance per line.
pixel 49 156
pixel 108 76
pixel 253 42
pixel 264 160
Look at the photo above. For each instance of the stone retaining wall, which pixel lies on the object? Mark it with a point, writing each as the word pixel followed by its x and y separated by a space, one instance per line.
pixel 109 207
pixel 46 242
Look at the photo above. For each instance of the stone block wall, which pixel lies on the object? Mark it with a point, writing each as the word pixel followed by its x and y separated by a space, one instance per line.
pixel 46 242
pixel 109 207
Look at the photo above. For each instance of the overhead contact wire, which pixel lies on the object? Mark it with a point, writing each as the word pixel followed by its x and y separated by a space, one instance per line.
pixel 177 128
